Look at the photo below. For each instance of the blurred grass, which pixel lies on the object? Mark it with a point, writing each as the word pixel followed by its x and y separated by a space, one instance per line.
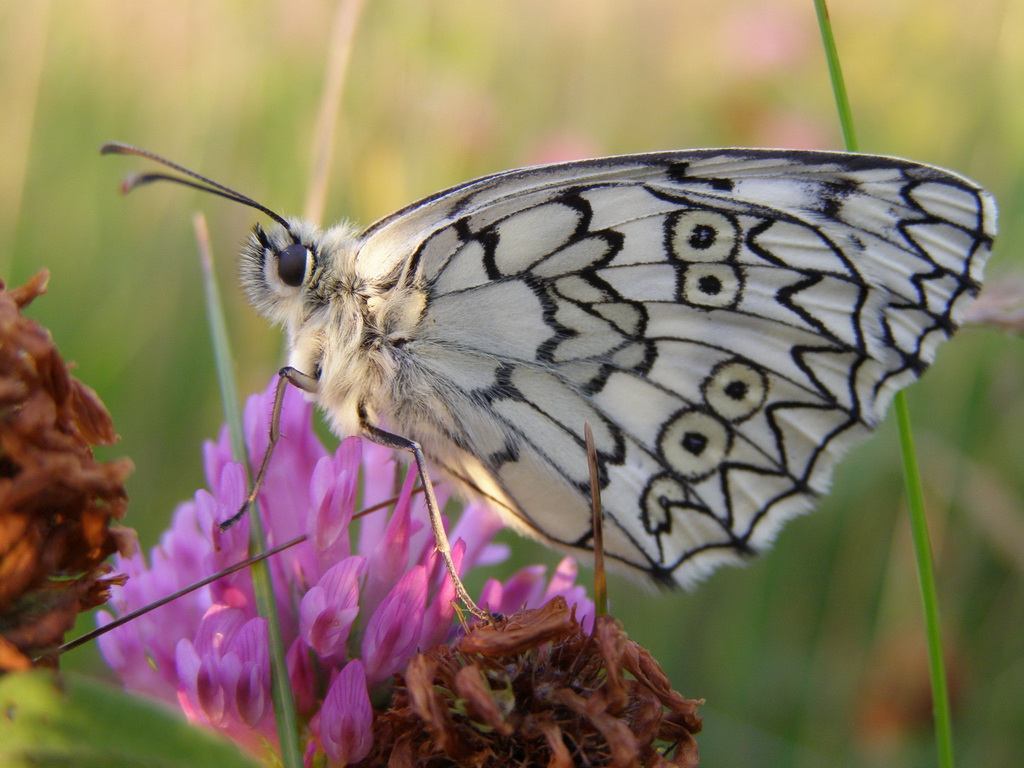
pixel 810 656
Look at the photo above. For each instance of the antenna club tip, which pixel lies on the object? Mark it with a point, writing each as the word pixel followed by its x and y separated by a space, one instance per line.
pixel 112 148
pixel 129 183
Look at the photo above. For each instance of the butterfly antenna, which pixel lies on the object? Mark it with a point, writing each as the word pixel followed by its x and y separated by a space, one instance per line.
pixel 195 180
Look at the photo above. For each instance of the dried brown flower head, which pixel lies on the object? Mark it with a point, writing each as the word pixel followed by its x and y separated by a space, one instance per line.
pixel 534 689
pixel 56 500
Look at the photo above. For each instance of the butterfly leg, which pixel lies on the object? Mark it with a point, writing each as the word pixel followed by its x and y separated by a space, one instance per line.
pixel 396 442
pixel 285 376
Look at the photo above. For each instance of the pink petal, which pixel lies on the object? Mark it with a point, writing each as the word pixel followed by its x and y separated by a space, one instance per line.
pixel 437 620
pixel 562 580
pixel 346 717
pixel 215 456
pixel 328 610
pixel 477 525
pixel 523 588
pixel 563 583
pixel 393 632
pixel 252 694
pixel 389 557
pixel 333 491
pixel 210 696
pixel 301 676
pixel 217 629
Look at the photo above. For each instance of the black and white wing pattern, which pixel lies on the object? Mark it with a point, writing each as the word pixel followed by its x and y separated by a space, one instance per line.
pixel 727 321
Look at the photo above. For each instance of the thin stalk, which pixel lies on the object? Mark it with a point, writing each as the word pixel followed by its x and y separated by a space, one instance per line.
pixel 597 525
pixel 835 73
pixel 929 592
pixel 280 687
pixel 343 30
pixel 911 473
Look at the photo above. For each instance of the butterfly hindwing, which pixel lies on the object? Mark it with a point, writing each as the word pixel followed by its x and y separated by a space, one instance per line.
pixel 727 321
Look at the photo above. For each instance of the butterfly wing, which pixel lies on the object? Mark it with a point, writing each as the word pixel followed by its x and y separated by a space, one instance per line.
pixel 727 321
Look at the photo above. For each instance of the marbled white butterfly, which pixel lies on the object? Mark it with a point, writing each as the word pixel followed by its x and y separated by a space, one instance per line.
pixel 728 321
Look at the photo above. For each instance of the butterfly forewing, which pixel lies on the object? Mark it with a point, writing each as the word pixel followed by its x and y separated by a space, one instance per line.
pixel 727 321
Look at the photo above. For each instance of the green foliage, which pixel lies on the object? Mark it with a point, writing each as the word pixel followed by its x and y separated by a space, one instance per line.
pixel 86 724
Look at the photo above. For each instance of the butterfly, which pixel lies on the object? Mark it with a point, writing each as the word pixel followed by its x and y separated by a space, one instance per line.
pixel 727 321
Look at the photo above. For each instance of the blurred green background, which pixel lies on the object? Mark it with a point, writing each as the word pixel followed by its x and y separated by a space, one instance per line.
pixel 811 656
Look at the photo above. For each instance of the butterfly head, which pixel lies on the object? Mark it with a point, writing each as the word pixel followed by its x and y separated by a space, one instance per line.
pixel 283 269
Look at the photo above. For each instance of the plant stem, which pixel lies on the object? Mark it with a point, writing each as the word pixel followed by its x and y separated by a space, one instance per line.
pixel 911 474
pixel 266 605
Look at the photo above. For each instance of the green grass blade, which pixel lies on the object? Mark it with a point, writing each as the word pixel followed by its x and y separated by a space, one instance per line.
pixel 835 73
pixel 929 593
pixel 281 692
pixel 911 474
pixel 221 346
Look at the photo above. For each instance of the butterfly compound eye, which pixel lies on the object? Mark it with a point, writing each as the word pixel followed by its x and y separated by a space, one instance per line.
pixel 291 264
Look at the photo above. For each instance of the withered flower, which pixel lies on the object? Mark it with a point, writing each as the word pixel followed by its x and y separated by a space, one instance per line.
pixel 56 500
pixel 534 689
